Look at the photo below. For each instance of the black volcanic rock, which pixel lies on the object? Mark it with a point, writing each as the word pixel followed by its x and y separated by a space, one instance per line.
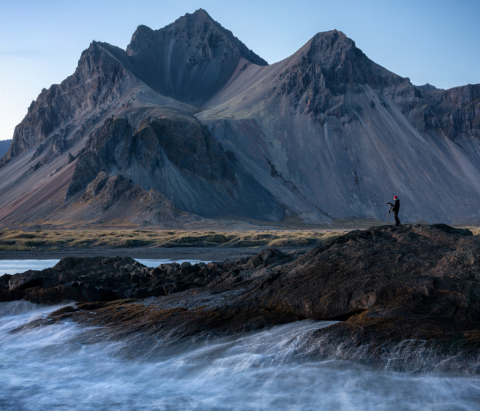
pixel 107 279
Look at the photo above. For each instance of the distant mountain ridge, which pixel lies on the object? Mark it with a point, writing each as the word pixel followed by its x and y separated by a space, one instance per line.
pixel 4 146
pixel 190 112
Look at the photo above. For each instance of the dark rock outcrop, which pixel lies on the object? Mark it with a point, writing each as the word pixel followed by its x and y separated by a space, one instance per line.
pixel 98 80
pixel 393 289
pixel 107 279
pixel 454 112
pixel 70 158
pixel 172 152
pixel 118 196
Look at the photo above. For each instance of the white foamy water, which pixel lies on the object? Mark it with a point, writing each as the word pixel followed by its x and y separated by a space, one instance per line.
pixel 20 266
pixel 57 367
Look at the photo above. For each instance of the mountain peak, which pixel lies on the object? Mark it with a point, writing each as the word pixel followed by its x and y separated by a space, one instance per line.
pixel 328 46
pixel 343 62
pixel 427 87
pixel 198 17
pixel 197 30
pixel 189 60
pixel 333 36
pixel 200 13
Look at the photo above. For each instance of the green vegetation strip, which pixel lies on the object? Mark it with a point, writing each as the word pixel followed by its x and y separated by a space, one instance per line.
pixel 17 240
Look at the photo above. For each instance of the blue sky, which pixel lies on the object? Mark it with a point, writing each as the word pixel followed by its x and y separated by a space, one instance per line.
pixel 428 41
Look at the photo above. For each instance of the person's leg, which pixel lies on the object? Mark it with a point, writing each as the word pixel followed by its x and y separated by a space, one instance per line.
pixel 397 220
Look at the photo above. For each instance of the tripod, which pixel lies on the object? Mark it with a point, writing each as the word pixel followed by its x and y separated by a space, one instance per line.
pixel 390 208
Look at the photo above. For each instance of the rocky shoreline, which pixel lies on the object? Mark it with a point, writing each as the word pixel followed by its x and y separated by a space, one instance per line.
pixel 407 297
pixel 149 253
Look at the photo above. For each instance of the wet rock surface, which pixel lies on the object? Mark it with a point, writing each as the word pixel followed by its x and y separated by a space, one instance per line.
pixel 404 296
pixel 97 279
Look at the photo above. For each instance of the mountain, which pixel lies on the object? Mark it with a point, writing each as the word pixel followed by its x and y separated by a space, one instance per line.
pixel 4 146
pixel 189 60
pixel 348 134
pixel 188 120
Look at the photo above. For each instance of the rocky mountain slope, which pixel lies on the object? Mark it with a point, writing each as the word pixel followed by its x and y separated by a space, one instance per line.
pixel 348 134
pixel 190 112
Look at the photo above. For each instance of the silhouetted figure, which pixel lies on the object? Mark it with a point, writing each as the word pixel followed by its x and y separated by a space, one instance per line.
pixel 395 207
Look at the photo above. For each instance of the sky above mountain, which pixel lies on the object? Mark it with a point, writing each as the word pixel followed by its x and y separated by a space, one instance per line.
pixel 434 41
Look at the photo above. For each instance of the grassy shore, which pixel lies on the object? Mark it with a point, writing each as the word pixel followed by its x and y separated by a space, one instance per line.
pixel 57 240
pixel 69 239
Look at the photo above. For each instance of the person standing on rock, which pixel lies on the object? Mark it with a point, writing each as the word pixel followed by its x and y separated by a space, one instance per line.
pixel 396 208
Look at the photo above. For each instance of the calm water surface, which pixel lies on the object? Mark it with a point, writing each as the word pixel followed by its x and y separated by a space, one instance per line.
pixel 20 266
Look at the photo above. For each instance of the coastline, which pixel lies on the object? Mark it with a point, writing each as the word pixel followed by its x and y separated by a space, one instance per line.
pixel 391 291
pixel 172 253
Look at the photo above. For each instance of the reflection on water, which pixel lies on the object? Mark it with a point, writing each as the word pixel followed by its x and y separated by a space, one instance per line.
pixel 20 266
pixel 55 367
